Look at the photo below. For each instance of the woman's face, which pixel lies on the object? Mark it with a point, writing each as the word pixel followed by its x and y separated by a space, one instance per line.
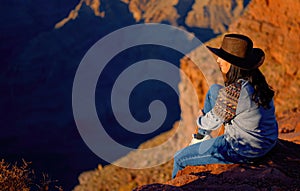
pixel 224 65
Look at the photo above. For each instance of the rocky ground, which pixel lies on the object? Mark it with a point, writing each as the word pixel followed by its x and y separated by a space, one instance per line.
pixel 279 170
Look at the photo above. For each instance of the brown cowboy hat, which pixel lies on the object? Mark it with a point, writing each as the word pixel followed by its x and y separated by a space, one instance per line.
pixel 238 50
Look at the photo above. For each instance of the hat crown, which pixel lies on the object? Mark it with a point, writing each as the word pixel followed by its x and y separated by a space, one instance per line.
pixel 237 45
pixel 237 49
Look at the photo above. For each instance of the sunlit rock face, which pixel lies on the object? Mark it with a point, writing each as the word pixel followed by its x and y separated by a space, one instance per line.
pixel 215 14
pixel 274 26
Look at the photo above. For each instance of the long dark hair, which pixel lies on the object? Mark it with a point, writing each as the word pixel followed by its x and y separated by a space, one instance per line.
pixel 263 93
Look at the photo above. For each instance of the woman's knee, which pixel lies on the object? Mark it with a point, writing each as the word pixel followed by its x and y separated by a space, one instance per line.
pixel 215 88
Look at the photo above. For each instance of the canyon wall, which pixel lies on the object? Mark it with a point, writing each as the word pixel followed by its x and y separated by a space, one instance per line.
pixel 214 14
pixel 274 26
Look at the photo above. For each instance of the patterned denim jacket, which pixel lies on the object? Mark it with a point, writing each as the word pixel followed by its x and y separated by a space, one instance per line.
pixel 252 132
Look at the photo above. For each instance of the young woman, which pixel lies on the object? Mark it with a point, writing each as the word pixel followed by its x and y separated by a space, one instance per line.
pixel 245 107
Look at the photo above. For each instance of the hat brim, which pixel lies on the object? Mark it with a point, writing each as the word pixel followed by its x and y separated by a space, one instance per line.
pixel 251 62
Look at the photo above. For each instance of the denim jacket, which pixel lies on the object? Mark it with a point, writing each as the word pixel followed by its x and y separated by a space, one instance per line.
pixel 252 132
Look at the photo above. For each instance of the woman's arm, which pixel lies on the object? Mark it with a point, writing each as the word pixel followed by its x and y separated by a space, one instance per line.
pixel 208 122
pixel 225 108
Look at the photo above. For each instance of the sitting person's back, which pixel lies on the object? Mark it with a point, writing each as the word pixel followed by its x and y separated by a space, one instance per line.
pixel 245 106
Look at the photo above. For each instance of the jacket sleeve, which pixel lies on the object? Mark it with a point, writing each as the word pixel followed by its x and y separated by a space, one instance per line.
pixel 209 121
pixel 245 101
pixel 231 101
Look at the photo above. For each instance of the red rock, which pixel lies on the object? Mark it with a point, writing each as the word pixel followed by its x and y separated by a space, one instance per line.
pixel 154 11
pixel 280 170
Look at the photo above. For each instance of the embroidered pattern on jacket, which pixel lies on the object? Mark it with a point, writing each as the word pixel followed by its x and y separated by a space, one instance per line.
pixel 227 101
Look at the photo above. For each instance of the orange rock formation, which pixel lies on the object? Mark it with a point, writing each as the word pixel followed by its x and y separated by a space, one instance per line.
pixel 214 14
pixel 93 4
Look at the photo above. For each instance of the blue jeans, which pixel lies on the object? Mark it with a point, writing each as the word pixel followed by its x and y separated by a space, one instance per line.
pixel 211 97
pixel 212 151
pixel 210 101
